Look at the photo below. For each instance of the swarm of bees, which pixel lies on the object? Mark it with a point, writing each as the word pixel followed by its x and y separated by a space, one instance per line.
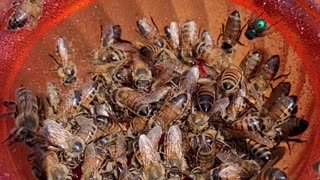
pixel 172 106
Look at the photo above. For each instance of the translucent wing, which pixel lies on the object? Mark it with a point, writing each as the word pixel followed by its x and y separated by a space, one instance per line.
pixel 55 133
pixel 63 50
pixel 147 151
pixel 233 171
pixel 120 145
pixel 89 157
pixel 174 142
pixel 174 32
pixel 154 136
pixel 227 156
pixel 220 105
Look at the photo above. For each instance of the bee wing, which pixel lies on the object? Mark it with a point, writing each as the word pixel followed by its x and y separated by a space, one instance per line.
pixel 121 145
pixel 174 33
pixel 220 105
pixel 108 37
pixel 89 162
pixel 174 142
pixel 63 50
pixel 148 152
pixel 154 136
pixel 227 156
pixel 189 81
pixel 277 154
pixel 233 171
pixel 55 133
pixel 258 138
pixel 158 94
pixel 90 151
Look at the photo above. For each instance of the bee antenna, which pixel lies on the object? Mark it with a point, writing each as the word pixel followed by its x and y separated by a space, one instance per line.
pixel 10 136
pixel 8 114
pixel 283 75
pixel 155 25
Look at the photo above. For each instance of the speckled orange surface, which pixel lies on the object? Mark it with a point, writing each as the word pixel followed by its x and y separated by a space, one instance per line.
pixel 24 59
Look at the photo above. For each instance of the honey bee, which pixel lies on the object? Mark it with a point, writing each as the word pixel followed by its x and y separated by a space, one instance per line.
pixel 205 44
pixel 150 33
pixel 26 15
pixel 152 167
pixel 133 100
pixel 159 56
pixel 189 38
pixel 250 63
pixel 268 172
pixel 93 160
pixel 204 147
pixel 53 98
pixel 174 158
pixel 81 98
pixel 250 122
pixel 67 70
pixel 176 106
pixel 206 96
pixel 95 155
pixel 112 48
pixel 88 130
pixel 230 80
pixel 274 173
pixel 198 121
pixel 234 170
pixel 104 119
pixel 172 33
pixel 46 165
pixel 112 35
pixel 26 114
pixel 258 150
pixel 141 74
pixel 72 145
pixel 122 75
pixel 231 32
pixel 283 108
pixel 283 89
pixel 118 151
pixel 112 54
pixel 293 126
pixel 265 73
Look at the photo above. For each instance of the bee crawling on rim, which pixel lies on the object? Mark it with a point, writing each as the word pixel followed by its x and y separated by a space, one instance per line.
pixel 67 70
pixel 26 15
pixel 231 32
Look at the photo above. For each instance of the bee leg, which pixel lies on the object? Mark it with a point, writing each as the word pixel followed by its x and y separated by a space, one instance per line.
pixel 10 136
pixel 55 60
pixel 8 103
pixel 221 32
pixel 155 25
pixel 280 76
pixel 8 114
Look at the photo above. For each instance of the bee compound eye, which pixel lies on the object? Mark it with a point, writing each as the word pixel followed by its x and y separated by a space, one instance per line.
pixel 144 111
pixel 77 147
